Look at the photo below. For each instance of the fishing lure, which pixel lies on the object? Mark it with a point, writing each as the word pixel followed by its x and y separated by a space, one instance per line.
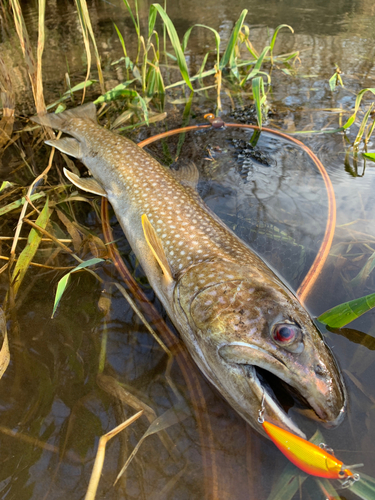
pixel 312 459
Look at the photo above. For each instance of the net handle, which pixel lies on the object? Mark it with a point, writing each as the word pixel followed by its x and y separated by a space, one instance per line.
pixel 321 257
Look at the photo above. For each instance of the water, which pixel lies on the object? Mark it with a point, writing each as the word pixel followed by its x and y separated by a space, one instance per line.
pixel 52 393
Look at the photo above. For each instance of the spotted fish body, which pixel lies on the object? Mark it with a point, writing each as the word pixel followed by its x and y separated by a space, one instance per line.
pixel 223 299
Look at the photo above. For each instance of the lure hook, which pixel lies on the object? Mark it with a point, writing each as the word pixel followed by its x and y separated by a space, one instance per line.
pixel 350 480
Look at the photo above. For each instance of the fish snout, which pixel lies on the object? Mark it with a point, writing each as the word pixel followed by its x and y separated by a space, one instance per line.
pixel 327 392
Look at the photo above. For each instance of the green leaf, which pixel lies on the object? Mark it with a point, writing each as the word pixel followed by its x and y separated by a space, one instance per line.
pixel 30 249
pixel 122 41
pixel 6 185
pixel 288 483
pixel 64 281
pixel 364 272
pixel 272 44
pixel 357 104
pixel 362 127
pixel 151 23
pixel 69 92
pixel 231 47
pixel 136 23
pixel 370 156
pixel 174 40
pixel 18 203
pixel 333 82
pixel 117 92
pixel 343 314
pixel 365 487
pixel 258 90
pixel 257 66
pixel 217 39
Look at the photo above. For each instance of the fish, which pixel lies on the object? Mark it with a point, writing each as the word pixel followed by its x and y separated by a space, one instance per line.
pixel 244 328
pixel 312 459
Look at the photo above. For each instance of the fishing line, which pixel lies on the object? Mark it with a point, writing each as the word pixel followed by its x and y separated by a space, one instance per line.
pixel 321 257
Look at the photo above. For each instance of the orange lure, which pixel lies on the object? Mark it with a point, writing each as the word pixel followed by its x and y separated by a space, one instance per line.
pixel 305 455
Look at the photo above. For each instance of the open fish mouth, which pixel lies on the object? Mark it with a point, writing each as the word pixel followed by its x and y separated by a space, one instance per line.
pixel 277 387
pixel 275 396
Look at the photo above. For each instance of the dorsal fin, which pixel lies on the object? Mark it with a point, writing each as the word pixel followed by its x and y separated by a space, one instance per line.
pixel 59 121
pixel 156 247
pixel 188 175
pixel 86 183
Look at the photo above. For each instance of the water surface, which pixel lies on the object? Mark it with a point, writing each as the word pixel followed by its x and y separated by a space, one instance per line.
pixel 53 391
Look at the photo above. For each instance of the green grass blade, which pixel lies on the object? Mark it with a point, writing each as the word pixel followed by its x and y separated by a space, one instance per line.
pixel 175 42
pixel 122 41
pixel 364 272
pixel 216 34
pixel 364 488
pixel 231 47
pixel 363 126
pixel 272 44
pixel 343 314
pixel 18 203
pixel 369 133
pixel 117 92
pixel 356 107
pixel 6 185
pixel 64 281
pixel 151 22
pixel 136 23
pixel 259 97
pixel 143 107
pixel 370 156
pixel 30 249
pixel 288 483
pixel 273 41
pixel 333 82
pixel 201 69
pixel 67 94
pixel 257 66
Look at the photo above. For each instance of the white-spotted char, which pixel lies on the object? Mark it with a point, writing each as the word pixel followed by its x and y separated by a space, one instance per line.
pixel 242 325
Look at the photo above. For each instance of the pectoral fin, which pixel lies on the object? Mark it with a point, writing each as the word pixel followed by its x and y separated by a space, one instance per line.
pixel 67 145
pixel 156 247
pixel 87 183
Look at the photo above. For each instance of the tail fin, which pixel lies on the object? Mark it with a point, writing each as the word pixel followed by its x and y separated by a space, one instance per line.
pixel 59 121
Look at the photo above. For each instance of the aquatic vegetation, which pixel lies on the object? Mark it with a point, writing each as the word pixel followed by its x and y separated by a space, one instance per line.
pixel 343 314
pixel 336 79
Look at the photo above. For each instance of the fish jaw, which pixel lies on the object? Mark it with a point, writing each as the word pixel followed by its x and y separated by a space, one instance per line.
pixel 231 324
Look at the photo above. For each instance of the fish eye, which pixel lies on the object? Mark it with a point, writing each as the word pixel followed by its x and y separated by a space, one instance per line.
pixel 288 335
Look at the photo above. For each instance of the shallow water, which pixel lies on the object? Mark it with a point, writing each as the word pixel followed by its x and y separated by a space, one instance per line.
pixel 52 391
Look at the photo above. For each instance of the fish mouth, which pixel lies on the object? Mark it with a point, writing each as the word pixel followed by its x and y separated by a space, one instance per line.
pixel 276 397
pixel 277 390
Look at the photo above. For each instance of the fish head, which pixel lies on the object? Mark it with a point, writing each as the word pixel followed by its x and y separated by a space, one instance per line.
pixel 259 346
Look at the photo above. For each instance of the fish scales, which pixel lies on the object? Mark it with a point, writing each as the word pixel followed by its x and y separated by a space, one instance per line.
pixel 189 234
pixel 241 324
